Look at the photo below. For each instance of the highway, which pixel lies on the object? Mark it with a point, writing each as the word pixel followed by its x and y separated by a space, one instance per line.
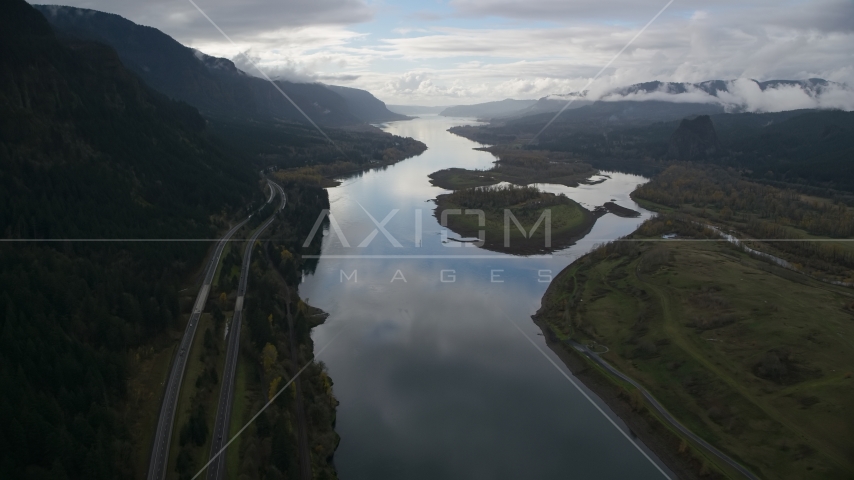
pixel 216 470
pixel 163 434
pixel 662 411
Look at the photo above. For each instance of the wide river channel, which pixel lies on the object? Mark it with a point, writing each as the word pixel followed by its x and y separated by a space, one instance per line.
pixel 438 367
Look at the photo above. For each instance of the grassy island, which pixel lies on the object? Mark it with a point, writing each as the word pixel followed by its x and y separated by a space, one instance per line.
pixel 568 220
pixel 520 167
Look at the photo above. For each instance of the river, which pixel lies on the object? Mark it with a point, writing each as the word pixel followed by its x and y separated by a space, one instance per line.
pixel 429 343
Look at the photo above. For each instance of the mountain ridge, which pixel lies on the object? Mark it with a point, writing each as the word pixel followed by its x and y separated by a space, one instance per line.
pixel 487 109
pixel 365 106
pixel 213 85
pixel 733 96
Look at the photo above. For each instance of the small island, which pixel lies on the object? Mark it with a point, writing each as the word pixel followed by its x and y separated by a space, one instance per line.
pixel 519 167
pixel 567 220
pixel 621 211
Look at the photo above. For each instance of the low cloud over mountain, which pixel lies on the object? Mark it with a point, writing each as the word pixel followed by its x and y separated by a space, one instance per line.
pixel 741 95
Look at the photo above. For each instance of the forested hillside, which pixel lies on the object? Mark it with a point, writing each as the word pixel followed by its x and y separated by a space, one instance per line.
pixel 815 148
pixel 810 149
pixel 211 84
pixel 89 152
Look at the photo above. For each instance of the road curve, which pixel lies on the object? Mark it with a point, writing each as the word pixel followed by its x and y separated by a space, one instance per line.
pixel 216 470
pixel 163 435
pixel 662 411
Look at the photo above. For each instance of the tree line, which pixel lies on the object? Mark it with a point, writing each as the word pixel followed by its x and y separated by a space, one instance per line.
pixel 760 211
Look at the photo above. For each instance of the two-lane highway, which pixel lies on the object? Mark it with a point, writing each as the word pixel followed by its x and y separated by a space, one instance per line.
pixel 216 469
pixel 163 434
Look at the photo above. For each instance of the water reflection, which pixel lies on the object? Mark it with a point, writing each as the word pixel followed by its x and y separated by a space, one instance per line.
pixel 434 380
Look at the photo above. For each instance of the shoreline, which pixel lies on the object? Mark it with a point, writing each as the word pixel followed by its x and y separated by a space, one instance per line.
pixel 521 246
pixel 669 447
pixel 319 175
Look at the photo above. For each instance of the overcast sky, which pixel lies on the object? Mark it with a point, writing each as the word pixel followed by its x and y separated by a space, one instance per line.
pixel 438 52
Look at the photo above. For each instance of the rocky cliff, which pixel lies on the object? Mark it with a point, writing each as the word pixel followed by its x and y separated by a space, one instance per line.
pixel 694 139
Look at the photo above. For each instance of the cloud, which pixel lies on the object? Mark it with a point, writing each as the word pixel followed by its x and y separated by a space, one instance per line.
pixel 432 88
pixel 661 96
pixel 746 95
pixel 338 78
pixel 823 15
pixel 284 69
pixel 467 51
pixel 693 43
pixel 248 17
pixel 299 55
pixel 420 85
pixel 550 10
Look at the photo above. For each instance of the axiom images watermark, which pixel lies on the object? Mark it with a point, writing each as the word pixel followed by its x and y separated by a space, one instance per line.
pixel 495 275
pixel 510 222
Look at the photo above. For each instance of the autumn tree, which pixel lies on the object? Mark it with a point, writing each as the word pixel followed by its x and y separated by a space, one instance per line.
pixel 269 355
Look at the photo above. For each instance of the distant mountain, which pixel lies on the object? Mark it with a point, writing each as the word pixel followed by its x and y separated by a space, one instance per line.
pixel 598 114
pixel 716 88
pixel 365 106
pixel 500 108
pixel 211 84
pixel 552 104
pixel 704 98
pixel 416 109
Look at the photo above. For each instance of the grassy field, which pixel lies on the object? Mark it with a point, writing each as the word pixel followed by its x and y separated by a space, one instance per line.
pixel 756 359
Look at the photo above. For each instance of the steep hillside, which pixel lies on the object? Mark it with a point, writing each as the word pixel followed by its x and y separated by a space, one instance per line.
pixel 695 139
pixel 810 149
pixel 816 148
pixel 213 85
pixel 87 151
pixel 617 113
pixel 365 106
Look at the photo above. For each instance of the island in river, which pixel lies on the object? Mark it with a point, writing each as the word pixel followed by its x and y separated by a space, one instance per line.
pixel 519 167
pixel 515 217
pixel 516 220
